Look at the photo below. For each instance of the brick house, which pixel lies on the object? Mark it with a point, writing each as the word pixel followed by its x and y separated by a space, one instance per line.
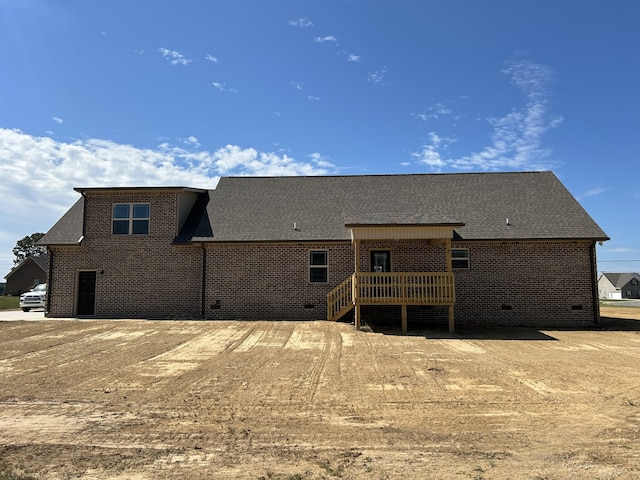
pixel 465 249
pixel 27 274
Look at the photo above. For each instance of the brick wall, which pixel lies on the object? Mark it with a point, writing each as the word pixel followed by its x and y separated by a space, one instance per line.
pixel 271 280
pixel 526 283
pixel 138 276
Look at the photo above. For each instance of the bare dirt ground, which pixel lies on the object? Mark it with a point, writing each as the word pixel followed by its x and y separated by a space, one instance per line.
pixel 318 400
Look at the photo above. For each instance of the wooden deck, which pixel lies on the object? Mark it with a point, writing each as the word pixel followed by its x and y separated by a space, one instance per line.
pixel 401 288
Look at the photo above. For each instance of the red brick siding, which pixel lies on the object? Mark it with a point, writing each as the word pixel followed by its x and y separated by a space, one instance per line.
pixel 542 282
pixel 271 280
pixel 143 276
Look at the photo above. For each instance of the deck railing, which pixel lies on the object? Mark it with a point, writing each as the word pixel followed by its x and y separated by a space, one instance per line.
pixel 402 288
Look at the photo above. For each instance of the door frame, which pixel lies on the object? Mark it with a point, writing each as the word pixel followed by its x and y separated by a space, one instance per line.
pixel 79 294
pixel 373 251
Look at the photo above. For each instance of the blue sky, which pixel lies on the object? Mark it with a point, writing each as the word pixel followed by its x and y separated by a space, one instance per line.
pixel 110 93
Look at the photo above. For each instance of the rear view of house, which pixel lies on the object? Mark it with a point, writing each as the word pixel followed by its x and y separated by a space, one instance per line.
pixel 465 249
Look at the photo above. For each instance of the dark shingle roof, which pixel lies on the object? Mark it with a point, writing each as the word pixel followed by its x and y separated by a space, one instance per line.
pixel 536 205
pixel 619 280
pixel 476 205
pixel 67 230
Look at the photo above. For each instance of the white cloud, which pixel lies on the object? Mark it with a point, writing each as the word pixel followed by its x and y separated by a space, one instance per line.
pixel 39 174
pixel 430 153
pixel 592 192
pixel 301 22
pixel 174 57
pixel 223 87
pixel 328 38
pixel 321 161
pixel 354 58
pixel 517 137
pixel 434 112
pixel 313 98
pixel 297 86
pixel 211 58
pixel 377 77
pixel 58 120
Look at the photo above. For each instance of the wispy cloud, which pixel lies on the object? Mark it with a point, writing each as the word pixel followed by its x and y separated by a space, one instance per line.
pixel 322 161
pixel 174 57
pixel 313 98
pixel 517 137
pixel 211 58
pixel 297 85
pixel 592 192
pixel 328 38
pixel 354 58
pixel 430 153
pixel 223 87
pixel 58 120
pixel 301 23
pixel 378 77
pixel 434 112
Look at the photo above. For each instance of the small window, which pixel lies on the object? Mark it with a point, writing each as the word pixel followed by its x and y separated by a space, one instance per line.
pixel 318 266
pixel 460 258
pixel 130 219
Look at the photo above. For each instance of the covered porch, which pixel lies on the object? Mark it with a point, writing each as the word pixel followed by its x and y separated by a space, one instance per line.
pixel 374 282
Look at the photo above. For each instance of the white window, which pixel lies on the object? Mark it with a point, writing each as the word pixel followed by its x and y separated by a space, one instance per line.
pixel 460 258
pixel 130 218
pixel 318 266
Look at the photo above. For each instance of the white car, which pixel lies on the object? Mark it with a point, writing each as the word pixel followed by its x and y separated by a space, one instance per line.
pixel 35 298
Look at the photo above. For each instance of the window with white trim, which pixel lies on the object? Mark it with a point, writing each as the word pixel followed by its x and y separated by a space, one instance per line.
pixel 460 258
pixel 130 218
pixel 318 266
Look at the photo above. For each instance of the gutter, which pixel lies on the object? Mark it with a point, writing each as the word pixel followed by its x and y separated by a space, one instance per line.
pixel 594 283
pixel 49 283
pixel 204 282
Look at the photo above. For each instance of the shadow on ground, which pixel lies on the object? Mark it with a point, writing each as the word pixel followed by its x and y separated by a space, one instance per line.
pixel 502 333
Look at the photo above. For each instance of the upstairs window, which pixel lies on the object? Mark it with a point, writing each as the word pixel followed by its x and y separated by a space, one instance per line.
pixel 460 258
pixel 318 266
pixel 130 219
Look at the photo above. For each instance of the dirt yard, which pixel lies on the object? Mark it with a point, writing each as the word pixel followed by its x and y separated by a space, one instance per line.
pixel 318 400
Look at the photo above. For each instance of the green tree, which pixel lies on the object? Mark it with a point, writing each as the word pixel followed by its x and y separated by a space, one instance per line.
pixel 27 247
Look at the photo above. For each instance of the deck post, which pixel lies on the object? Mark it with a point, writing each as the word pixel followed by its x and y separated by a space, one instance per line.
pixel 404 318
pixel 356 315
pixel 452 327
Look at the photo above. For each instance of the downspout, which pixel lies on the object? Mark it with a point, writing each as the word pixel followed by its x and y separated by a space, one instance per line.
pixel 49 282
pixel 204 282
pixel 594 281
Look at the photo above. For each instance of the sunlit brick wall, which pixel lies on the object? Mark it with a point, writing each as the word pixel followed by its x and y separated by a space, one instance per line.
pixel 271 280
pixel 139 276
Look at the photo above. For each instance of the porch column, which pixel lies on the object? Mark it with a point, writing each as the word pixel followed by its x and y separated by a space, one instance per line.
pixel 404 318
pixel 452 326
pixel 356 269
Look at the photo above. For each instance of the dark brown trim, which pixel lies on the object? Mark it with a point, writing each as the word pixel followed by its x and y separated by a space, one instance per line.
pixel 203 305
pixel 594 283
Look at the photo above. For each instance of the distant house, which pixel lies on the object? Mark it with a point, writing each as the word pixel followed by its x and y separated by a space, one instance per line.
pixel 619 285
pixel 465 249
pixel 27 274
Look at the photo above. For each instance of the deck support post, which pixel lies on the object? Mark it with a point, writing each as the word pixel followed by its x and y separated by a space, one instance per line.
pixel 404 318
pixel 452 327
pixel 356 315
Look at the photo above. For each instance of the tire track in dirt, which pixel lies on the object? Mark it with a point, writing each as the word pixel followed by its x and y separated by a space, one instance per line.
pixel 330 347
